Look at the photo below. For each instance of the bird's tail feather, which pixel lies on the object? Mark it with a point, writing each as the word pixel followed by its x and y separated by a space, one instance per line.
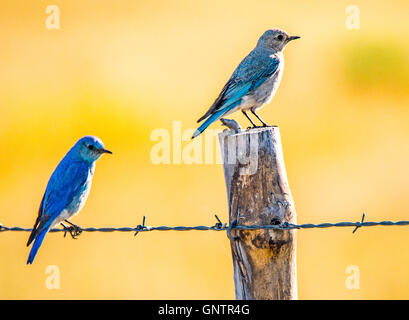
pixel 37 243
pixel 213 118
pixel 33 232
pixel 208 122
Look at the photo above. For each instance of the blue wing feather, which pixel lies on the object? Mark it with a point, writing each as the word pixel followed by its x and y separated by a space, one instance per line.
pixel 66 184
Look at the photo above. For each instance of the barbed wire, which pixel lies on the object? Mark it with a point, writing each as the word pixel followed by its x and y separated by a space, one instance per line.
pixel 219 226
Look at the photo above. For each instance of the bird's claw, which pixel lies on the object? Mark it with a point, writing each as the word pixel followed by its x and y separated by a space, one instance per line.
pixel 256 127
pixel 74 231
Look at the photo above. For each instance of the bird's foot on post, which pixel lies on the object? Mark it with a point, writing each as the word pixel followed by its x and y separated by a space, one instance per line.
pixel 73 229
pixel 256 127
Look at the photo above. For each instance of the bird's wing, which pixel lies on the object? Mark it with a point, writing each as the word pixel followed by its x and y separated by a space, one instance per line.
pixel 66 185
pixel 249 75
pixel 67 181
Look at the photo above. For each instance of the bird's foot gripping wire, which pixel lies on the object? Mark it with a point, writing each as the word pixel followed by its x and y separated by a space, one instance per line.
pixel 73 230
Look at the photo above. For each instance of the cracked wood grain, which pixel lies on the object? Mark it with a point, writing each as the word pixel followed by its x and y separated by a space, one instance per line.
pixel 264 261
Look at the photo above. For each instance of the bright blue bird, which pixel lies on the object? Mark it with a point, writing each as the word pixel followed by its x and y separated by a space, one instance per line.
pixel 67 190
pixel 254 82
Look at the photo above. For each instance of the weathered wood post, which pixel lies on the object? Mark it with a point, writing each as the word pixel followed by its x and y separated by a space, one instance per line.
pixel 264 261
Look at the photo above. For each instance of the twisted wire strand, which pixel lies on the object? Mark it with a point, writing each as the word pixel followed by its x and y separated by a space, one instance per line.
pixel 219 226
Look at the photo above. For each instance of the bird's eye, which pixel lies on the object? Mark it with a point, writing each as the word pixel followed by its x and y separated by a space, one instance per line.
pixel 91 147
pixel 280 37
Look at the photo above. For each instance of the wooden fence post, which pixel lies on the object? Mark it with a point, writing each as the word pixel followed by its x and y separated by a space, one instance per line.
pixel 264 261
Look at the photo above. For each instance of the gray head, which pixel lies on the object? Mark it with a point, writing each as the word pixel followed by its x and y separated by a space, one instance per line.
pixel 89 148
pixel 275 39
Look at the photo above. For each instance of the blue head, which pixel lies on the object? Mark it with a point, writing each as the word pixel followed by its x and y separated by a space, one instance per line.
pixel 275 39
pixel 89 149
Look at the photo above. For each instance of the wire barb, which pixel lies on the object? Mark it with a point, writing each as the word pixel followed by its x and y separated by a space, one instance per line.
pixel 219 224
pixel 140 227
pixel 362 221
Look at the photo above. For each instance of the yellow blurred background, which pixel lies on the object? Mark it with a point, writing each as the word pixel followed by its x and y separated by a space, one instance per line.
pixel 121 69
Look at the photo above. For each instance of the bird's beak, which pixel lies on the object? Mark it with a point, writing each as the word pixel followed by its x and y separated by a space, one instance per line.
pixel 293 38
pixel 105 151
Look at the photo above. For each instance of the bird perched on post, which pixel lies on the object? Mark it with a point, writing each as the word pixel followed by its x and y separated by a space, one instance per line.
pixel 67 190
pixel 254 82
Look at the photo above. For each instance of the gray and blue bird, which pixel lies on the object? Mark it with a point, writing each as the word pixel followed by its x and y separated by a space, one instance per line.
pixel 67 190
pixel 254 82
